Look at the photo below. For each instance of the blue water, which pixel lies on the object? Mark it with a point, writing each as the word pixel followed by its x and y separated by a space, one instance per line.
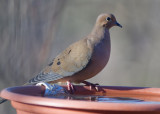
pixel 105 99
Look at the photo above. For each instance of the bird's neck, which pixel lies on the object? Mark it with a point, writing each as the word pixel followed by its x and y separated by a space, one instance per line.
pixel 100 33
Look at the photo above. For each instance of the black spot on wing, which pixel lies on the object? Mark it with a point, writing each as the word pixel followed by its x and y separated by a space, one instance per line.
pixel 58 63
pixel 50 63
pixel 69 51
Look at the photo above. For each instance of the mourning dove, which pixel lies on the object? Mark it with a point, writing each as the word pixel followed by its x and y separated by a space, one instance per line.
pixel 83 59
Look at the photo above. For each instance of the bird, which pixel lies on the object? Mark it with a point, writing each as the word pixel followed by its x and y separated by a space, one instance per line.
pixel 83 59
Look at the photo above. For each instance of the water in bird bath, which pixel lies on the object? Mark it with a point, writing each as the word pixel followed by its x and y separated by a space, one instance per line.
pixel 105 95
pixel 106 99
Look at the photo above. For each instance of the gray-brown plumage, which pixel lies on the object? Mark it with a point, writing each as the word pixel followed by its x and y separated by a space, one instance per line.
pixel 82 59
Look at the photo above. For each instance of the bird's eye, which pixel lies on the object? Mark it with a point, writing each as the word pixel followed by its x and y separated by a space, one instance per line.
pixel 108 18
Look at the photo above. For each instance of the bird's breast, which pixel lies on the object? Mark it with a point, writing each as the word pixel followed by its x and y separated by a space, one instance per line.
pixel 101 54
pixel 98 61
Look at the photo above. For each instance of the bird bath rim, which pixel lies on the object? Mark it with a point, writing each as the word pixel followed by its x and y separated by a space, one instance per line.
pixel 33 95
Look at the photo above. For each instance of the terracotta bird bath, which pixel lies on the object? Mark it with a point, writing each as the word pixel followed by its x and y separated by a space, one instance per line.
pixel 30 100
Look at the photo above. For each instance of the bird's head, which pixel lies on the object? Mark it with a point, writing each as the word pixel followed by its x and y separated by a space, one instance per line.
pixel 107 21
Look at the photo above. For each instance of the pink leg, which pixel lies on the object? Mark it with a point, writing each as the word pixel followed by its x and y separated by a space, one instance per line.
pixel 91 85
pixel 71 87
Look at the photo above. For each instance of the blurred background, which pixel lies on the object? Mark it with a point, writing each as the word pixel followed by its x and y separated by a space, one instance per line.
pixel 33 32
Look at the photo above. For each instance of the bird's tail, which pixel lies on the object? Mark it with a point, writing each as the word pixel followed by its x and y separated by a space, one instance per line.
pixel 2 100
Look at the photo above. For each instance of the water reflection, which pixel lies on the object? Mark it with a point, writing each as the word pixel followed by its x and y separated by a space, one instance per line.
pixel 106 99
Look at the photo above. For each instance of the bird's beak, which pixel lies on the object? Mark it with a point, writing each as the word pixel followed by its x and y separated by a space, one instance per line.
pixel 117 24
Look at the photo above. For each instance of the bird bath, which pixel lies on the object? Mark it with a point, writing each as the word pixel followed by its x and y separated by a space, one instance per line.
pixel 109 99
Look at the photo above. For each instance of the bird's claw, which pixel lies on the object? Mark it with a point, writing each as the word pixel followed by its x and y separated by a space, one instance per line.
pixel 71 87
pixel 91 85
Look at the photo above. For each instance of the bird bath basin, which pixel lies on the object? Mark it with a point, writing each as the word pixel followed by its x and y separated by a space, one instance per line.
pixel 109 99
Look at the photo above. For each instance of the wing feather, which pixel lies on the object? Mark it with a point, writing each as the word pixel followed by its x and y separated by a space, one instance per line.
pixel 72 60
pixel 45 77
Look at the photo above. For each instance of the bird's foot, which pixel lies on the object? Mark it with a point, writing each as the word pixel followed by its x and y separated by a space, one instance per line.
pixel 91 85
pixel 71 87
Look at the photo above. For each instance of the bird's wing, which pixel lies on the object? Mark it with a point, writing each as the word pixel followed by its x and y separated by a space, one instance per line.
pixel 72 60
pixel 44 77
